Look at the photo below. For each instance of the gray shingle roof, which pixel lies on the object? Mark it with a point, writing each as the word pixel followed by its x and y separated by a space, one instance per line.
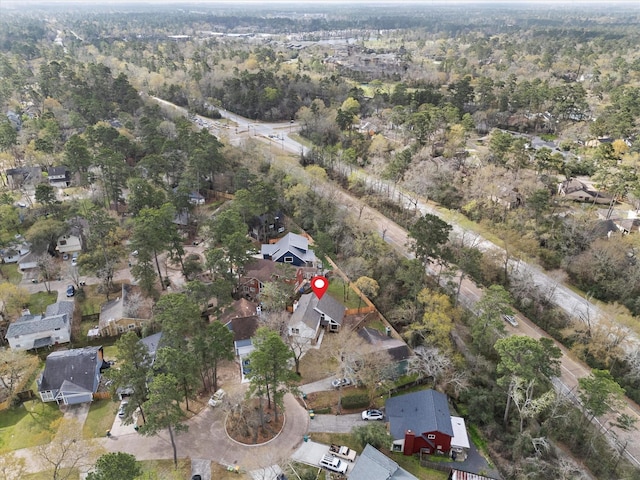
pixel 293 243
pixel 77 366
pixel 424 411
pixel 29 324
pixel 60 308
pixel 331 308
pixel 374 465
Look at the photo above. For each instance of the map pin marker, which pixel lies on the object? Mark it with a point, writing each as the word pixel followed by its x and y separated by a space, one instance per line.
pixel 319 285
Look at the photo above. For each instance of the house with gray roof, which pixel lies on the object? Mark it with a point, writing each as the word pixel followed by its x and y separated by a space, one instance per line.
pixel 375 465
pixel 420 422
pixel 38 331
pixel 292 249
pixel 59 177
pixel 71 376
pixel 311 315
pixel 129 311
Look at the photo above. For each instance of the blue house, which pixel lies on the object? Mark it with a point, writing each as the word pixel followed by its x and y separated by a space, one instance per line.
pixel 71 376
pixel 292 249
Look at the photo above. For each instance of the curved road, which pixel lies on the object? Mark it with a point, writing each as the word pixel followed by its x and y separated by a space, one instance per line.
pixel 396 236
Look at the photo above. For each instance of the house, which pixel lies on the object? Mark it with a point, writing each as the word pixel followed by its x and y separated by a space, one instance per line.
pixel 196 198
pixel 69 244
pixel 261 271
pixel 29 261
pixel 14 252
pixel 37 331
pixel 266 226
pixel 242 319
pixel 420 422
pixel 23 176
pixel 129 311
pixel 375 465
pixel 574 189
pixel 395 347
pixel 310 315
pixel 71 376
pixel 291 248
pixel 59 177
pixel 152 342
pixel 625 221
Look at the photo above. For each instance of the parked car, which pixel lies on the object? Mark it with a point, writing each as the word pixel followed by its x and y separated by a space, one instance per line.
pixel 196 477
pixel 510 319
pixel 334 464
pixel 217 397
pixel 71 290
pixel 123 405
pixel 372 415
pixel 340 382
pixel 65 256
pixel 74 260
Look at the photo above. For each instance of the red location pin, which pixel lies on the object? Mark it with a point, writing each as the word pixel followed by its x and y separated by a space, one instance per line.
pixel 319 285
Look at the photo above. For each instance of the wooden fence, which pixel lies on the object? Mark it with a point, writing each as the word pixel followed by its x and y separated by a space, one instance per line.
pixel 101 395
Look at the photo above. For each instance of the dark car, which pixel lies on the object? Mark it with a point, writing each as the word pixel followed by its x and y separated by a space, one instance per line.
pixel 196 477
pixel 71 290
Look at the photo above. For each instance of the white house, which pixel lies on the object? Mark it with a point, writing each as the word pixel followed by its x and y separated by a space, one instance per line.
pixel 30 260
pixel 69 244
pixel 37 331
pixel 310 314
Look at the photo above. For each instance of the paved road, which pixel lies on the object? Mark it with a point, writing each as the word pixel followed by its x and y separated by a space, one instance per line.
pixel 207 439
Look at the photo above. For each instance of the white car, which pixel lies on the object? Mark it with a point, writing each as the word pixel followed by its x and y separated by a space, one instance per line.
pixel 334 464
pixel 510 319
pixel 340 382
pixel 372 415
pixel 216 398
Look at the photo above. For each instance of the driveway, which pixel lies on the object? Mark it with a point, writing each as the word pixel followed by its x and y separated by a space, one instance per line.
pixel 310 453
pixel 335 423
pixel 319 386
pixel 202 467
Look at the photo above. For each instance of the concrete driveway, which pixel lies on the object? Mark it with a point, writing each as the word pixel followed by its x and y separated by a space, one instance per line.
pixel 335 423
pixel 201 467
pixel 319 386
pixel 310 453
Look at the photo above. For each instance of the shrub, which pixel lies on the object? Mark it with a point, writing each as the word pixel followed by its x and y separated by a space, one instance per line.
pixel 358 400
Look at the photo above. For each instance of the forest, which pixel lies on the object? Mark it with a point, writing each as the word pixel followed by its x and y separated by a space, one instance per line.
pixel 522 121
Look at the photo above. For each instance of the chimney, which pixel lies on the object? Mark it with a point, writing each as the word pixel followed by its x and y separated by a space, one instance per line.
pixel 409 438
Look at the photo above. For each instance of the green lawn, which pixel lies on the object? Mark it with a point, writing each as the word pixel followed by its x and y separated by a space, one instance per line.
pixel 74 474
pixel 10 273
pixel 343 294
pixel 164 469
pixel 27 425
pixel 38 301
pixel 100 418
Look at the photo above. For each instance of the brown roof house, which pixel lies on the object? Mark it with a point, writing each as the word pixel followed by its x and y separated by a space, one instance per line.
pixel 130 311
pixel 242 318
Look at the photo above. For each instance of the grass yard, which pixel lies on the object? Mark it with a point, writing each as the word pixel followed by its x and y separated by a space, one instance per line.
pixel 100 418
pixel 27 425
pixel 220 472
pixel 412 465
pixel 38 301
pixel 90 300
pixel 313 367
pixel 164 469
pixel 10 273
pixel 302 470
pixel 74 474
pixel 343 294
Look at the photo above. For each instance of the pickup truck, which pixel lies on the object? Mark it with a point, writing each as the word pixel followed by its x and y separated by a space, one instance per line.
pixel 343 452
